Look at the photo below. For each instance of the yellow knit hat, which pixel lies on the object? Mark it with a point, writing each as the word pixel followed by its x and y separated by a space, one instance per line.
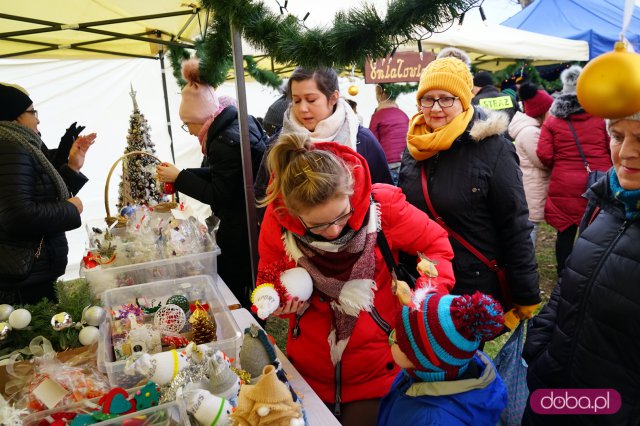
pixel 450 74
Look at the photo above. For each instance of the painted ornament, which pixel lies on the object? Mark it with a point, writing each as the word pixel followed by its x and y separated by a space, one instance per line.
pixel 294 282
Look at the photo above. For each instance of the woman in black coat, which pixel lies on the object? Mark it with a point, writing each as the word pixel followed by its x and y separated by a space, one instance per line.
pixel 37 202
pixel 588 335
pixel 219 182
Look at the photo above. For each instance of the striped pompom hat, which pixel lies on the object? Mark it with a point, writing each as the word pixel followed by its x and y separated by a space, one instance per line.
pixel 442 336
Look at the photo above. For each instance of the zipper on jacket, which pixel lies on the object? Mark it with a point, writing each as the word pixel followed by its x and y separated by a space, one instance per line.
pixel 295 333
pixel 590 283
pixel 337 407
pixel 375 315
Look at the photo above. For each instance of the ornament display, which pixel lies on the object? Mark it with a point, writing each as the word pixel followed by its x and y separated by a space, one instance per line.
pixel 61 321
pixel 5 311
pixel 89 335
pixel 179 300
pixel 19 319
pixel 267 297
pixel 204 327
pixel 93 315
pixel 353 90
pixel 608 85
pixel 169 319
pixel 5 328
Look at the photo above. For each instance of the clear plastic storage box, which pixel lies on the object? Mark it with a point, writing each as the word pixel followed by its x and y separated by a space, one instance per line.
pixel 104 277
pixel 201 287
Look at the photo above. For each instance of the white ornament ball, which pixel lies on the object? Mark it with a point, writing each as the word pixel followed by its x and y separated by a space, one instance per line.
pixel 5 311
pixel 298 283
pixel 89 335
pixel 170 318
pixel 19 319
pixel 95 315
pixel 265 300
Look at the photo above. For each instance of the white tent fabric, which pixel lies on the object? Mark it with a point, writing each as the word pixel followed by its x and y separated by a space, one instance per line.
pixel 493 46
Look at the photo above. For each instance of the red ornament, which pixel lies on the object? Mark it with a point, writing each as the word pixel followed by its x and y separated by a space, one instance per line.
pixel 169 188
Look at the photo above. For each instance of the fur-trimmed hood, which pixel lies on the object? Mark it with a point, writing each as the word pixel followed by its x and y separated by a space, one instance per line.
pixel 565 105
pixel 488 123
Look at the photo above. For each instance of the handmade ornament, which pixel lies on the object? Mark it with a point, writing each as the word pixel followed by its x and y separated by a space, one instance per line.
pixel 130 308
pixel 179 300
pixel 206 408
pixel 294 282
pixel 176 340
pixel 608 85
pixel 257 351
pixel 93 315
pixel 204 328
pixel 5 329
pixel 269 400
pixel 223 382
pixel 141 338
pixel 89 335
pixel 147 397
pixel 116 402
pixel 160 368
pixel 61 321
pixel 149 309
pixel 169 319
pixel 5 311
pixel 19 319
pixel 353 90
pixel 169 188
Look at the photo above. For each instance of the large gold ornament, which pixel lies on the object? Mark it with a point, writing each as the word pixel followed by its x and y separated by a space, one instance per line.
pixel 609 85
pixel 353 90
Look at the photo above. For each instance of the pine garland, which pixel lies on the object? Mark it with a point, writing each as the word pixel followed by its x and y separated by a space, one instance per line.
pixel 262 76
pixel 394 90
pixel 356 35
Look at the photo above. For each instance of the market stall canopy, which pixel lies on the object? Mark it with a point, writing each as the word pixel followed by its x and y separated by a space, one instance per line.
pixel 97 29
pixel 493 46
pixel 597 22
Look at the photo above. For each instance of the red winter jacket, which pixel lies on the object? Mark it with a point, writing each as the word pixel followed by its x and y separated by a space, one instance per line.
pixel 558 151
pixel 367 368
pixel 389 126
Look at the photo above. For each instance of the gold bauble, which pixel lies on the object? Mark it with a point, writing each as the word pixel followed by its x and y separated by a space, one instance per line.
pixel 609 85
pixel 353 90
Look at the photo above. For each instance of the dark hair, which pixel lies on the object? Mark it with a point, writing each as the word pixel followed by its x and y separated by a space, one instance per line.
pixel 326 79
pixel 304 176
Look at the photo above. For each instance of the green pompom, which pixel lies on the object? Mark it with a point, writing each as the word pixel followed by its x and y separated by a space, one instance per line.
pixel 179 301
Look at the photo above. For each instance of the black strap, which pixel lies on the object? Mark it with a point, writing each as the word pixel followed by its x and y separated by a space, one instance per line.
pixel 383 245
pixel 575 137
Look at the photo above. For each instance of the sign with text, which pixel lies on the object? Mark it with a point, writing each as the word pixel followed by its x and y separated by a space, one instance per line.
pixel 402 67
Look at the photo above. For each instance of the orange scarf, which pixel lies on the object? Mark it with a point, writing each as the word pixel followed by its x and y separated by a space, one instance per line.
pixel 424 142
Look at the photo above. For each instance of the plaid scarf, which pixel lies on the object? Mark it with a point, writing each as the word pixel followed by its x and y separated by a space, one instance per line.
pixel 343 270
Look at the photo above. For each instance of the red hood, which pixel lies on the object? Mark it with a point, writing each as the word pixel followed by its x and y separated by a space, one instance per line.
pixel 360 200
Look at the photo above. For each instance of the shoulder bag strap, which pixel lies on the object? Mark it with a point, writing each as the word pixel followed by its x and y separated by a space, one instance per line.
pixel 491 264
pixel 575 137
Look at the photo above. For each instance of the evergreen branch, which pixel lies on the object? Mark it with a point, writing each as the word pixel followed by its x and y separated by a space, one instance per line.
pixel 394 90
pixel 262 76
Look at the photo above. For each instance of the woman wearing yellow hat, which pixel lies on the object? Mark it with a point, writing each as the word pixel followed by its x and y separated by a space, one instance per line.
pixel 459 168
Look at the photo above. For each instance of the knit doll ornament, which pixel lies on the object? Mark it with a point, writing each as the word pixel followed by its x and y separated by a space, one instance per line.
pixel 268 403
pixel 257 351
pixel 280 285
pixel 223 382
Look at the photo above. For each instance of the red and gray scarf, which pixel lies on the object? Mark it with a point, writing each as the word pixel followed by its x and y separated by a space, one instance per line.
pixel 343 270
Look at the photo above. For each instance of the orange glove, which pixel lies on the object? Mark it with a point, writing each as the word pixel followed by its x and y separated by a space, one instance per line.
pixel 517 314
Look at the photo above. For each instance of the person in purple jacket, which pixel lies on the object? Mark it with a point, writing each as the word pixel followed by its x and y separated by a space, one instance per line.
pixel 389 124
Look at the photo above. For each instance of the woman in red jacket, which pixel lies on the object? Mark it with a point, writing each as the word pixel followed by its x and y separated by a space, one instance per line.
pixel 324 215
pixel 558 151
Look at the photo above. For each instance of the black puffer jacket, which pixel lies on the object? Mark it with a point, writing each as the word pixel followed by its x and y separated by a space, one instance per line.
pixel 221 185
pixel 30 210
pixel 588 336
pixel 490 97
pixel 476 186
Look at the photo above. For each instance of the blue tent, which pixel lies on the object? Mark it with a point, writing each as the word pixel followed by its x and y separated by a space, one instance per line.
pixel 598 22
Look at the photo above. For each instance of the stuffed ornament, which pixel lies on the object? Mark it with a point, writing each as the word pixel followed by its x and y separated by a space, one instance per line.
pixel 206 408
pixel 257 351
pixel 223 382
pixel 267 297
pixel 160 368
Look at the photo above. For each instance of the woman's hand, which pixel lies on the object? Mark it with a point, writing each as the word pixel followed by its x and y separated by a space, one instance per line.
pixel 167 172
pixel 293 306
pixel 79 150
pixel 76 202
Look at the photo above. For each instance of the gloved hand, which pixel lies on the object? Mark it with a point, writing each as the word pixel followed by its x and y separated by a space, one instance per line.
pixel 67 140
pixel 517 314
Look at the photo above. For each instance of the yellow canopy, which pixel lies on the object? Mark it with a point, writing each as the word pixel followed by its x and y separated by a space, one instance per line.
pixel 97 29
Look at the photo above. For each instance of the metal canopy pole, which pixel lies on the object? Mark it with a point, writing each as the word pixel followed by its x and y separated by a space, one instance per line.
pixel 166 103
pixel 247 170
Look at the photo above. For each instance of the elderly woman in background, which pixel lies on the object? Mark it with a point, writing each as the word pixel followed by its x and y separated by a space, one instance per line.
pixel 462 171
pixel 37 202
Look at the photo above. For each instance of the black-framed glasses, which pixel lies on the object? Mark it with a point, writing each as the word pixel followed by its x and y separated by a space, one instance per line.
pixel 185 127
pixel 324 226
pixel 444 102
pixel 33 111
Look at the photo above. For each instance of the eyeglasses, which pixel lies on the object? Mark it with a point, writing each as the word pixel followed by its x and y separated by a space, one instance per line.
pixel 392 338
pixel 444 102
pixel 185 127
pixel 33 111
pixel 324 226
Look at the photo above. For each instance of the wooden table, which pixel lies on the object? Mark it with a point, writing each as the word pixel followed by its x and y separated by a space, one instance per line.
pixel 317 413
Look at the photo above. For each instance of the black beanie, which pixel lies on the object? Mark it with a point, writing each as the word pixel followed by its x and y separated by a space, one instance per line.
pixel 275 115
pixel 482 78
pixel 13 101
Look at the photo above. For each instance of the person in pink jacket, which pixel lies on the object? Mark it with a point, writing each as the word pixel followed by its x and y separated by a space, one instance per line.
pixel 324 215
pixel 525 131
pixel 558 150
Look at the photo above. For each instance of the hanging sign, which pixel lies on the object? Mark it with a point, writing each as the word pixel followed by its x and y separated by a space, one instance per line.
pixel 402 67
